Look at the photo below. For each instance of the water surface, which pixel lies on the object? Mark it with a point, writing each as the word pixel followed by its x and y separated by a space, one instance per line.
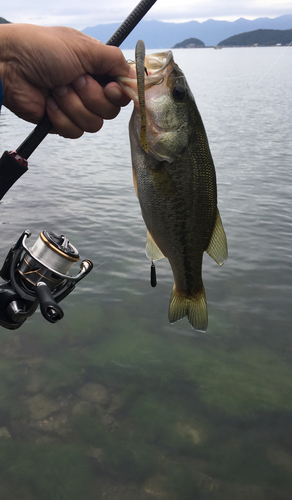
pixel 114 402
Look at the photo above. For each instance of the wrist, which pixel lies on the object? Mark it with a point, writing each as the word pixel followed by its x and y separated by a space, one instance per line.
pixel 1 92
pixel 5 54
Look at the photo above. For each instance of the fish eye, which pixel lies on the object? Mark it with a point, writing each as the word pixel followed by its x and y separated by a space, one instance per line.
pixel 178 92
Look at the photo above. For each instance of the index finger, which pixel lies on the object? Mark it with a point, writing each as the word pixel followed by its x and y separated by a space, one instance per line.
pixel 105 59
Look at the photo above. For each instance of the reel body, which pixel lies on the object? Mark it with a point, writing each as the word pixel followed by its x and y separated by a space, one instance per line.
pixel 38 276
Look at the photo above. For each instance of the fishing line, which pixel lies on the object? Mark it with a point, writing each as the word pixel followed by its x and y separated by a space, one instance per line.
pixel 97 267
pixel 247 74
pixel 140 72
pixel 268 70
pixel 235 111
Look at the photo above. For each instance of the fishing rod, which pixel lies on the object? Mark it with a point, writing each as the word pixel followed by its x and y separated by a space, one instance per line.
pixel 39 275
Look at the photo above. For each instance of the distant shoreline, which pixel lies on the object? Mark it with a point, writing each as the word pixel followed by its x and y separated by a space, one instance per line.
pixel 256 38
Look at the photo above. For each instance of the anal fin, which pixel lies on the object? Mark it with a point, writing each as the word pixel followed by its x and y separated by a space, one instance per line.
pixel 217 248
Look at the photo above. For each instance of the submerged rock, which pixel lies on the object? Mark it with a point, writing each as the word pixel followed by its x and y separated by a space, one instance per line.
pixel 114 489
pixel 35 383
pixel 156 486
pixel 280 458
pixel 94 393
pixel 95 453
pixel 189 432
pixel 205 483
pixel 95 397
pixel 248 491
pixel 106 419
pixel 82 408
pixel 41 406
pixel 4 433
pixel 57 424
pixel 116 404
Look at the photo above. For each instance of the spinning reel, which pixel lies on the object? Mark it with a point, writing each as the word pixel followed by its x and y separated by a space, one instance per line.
pixel 38 276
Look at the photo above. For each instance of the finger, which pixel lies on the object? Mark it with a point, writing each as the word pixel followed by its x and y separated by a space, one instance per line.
pixel 94 98
pixel 101 59
pixel 89 120
pixel 114 94
pixel 62 123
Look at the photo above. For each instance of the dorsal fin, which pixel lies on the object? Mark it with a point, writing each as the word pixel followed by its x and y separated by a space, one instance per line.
pixel 152 250
pixel 217 248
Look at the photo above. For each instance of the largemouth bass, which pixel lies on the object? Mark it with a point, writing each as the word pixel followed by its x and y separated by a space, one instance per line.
pixel 175 180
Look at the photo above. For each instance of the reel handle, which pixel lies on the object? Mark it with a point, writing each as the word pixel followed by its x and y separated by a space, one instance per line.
pixel 50 310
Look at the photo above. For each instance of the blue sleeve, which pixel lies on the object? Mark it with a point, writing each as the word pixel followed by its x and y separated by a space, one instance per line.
pixel 1 94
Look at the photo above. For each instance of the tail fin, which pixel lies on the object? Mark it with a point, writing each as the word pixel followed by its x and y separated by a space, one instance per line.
pixel 195 308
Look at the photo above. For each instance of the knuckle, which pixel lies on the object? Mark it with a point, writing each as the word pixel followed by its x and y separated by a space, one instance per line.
pixel 112 113
pixel 117 53
pixel 94 126
pixel 71 134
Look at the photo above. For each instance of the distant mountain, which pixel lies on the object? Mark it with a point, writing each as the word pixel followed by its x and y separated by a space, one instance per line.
pixel 158 35
pixel 259 37
pixel 189 43
pixel 3 21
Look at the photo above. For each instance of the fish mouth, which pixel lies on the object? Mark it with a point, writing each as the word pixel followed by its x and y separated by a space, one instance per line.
pixel 157 68
pixel 157 65
pixel 150 92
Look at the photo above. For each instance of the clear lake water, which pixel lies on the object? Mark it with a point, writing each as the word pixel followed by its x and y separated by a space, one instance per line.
pixel 113 402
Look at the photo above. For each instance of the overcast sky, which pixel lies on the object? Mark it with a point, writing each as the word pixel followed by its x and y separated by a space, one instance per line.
pixel 80 14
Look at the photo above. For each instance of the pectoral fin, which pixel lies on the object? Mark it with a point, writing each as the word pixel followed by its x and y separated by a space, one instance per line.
pixel 135 181
pixel 217 248
pixel 152 250
pixel 162 182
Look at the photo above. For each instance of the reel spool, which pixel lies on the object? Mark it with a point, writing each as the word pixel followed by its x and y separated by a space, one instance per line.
pixel 38 276
pixel 55 253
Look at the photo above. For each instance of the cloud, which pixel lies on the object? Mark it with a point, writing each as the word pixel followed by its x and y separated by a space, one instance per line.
pixel 166 10
pixel 90 12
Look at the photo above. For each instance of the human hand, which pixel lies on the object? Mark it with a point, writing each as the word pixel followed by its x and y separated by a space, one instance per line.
pixel 48 69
